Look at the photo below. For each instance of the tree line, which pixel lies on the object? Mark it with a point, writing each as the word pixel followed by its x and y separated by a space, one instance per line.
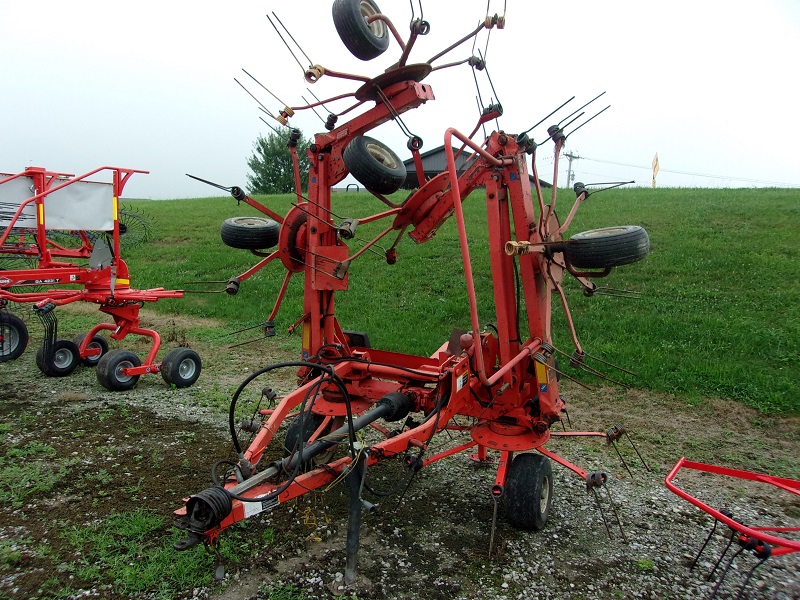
pixel 271 166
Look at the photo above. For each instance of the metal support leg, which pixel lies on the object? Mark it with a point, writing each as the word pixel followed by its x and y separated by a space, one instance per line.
pixel 353 480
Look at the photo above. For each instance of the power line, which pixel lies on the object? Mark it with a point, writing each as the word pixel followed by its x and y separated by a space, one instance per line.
pixel 649 168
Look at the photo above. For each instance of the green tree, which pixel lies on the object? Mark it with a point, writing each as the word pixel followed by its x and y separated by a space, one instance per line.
pixel 271 164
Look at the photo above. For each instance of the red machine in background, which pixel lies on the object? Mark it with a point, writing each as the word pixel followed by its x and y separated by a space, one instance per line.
pixel 500 376
pixel 34 205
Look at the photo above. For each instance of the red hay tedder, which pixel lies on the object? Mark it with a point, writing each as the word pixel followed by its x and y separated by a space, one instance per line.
pixel 36 205
pixel 503 379
pixel 355 406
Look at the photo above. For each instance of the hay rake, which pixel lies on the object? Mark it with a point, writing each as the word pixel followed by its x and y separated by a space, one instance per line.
pixel 53 219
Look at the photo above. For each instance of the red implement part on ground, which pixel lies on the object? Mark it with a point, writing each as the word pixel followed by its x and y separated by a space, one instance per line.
pixel 761 542
pixel 761 534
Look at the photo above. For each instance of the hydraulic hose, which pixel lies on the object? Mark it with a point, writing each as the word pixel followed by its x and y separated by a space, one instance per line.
pixel 250 378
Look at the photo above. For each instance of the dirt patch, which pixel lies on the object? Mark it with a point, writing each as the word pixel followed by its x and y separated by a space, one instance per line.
pixel 102 453
pixel 99 456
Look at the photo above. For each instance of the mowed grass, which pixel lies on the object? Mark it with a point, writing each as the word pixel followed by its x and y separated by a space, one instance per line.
pixel 716 313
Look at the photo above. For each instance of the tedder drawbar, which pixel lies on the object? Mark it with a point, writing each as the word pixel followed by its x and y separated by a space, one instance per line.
pixel 35 206
pixel 500 375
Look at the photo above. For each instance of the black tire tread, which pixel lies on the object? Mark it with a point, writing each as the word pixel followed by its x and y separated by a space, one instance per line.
pixel 107 366
pixel 97 339
pixel 49 368
pixel 262 233
pixel 170 367
pixel 607 247
pixel 370 172
pixel 310 422
pixel 354 31
pixel 523 489
pixel 8 322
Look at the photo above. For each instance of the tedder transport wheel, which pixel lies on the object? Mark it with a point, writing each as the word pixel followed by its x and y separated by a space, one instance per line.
pixel 97 342
pixel 374 165
pixel 249 233
pixel 13 337
pixel 181 367
pixel 607 247
pixel 64 360
pixel 303 427
pixel 529 491
pixel 364 41
pixel 109 370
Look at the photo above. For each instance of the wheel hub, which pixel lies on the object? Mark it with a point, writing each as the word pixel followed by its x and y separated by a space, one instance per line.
pixel 377 27
pixel 544 498
pixel 62 358
pixel 381 156
pixel 120 375
pixel 187 368
pixel 8 341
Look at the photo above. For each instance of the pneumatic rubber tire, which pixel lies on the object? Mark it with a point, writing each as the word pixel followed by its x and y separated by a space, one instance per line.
pixel 98 341
pixel 109 370
pixel 13 337
pixel 374 165
pixel 250 233
pixel 529 491
pixel 63 361
pixel 302 428
pixel 607 247
pixel 364 41
pixel 181 367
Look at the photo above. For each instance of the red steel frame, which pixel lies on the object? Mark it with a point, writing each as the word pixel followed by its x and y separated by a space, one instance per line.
pixel 780 545
pixel 43 181
pixel 507 385
pixel 109 287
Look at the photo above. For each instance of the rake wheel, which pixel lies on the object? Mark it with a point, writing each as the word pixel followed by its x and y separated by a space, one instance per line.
pixel 364 40
pixel 63 360
pixel 98 341
pixel 375 165
pixel 181 367
pixel 607 247
pixel 109 370
pixel 249 233
pixel 13 337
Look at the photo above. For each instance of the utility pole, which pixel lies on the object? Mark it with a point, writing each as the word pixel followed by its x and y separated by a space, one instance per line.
pixel 570 173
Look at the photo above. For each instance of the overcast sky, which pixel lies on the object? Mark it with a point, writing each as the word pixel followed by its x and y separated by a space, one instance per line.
pixel 709 85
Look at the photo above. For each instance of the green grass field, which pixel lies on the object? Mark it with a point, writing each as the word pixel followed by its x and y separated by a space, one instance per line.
pixel 716 315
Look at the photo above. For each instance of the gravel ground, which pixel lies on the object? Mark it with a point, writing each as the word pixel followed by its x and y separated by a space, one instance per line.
pixel 433 543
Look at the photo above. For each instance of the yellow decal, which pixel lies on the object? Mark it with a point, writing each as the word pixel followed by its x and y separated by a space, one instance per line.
pixel 41 214
pixel 542 377
pixel 123 281
pixel 116 209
